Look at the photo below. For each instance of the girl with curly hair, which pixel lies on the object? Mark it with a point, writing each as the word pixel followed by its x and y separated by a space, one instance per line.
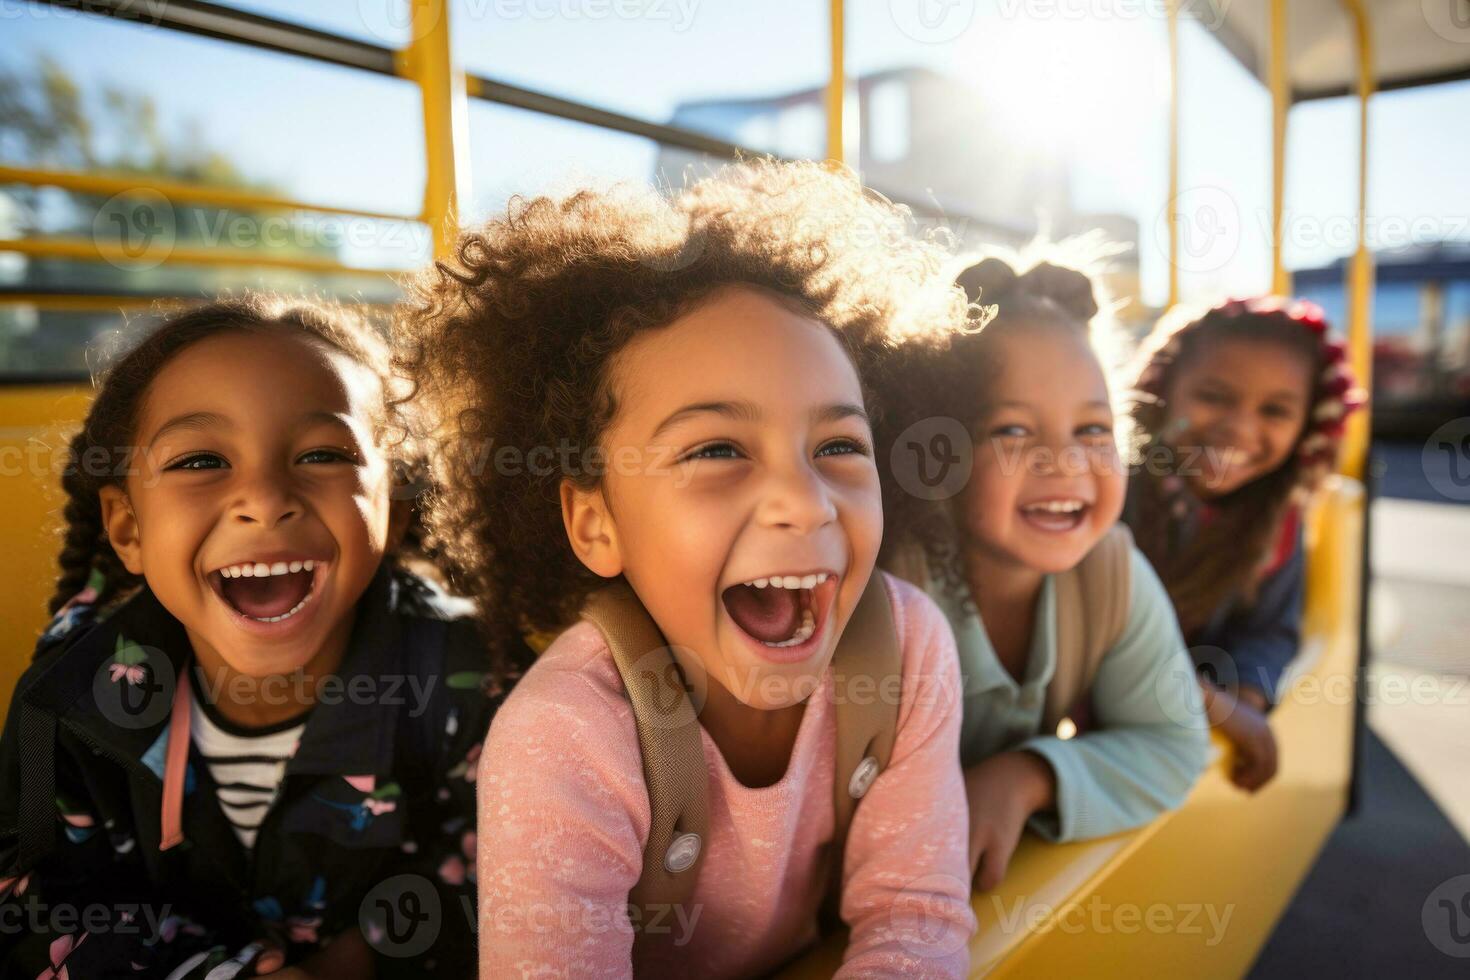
pixel 1074 723
pixel 248 713
pixel 1238 415
pixel 668 395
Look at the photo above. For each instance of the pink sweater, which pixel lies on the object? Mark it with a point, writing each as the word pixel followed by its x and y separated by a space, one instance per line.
pixel 564 816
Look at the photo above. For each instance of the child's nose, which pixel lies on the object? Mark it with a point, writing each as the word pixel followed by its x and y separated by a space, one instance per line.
pixel 267 502
pixel 797 498
pixel 1241 428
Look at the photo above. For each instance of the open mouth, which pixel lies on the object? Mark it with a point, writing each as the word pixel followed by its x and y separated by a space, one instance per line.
pixel 1055 516
pixel 268 592
pixel 782 613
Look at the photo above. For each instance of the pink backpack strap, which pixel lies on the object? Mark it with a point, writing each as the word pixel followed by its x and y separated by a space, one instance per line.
pixel 175 767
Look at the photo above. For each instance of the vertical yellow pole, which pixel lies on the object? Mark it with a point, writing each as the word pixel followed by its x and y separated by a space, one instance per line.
pixel 1280 81
pixel 429 61
pixel 1360 272
pixel 836 85
pixel 1172 213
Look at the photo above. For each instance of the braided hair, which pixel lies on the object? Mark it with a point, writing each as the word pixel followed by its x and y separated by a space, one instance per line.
pixel 1223 559
pixel 101 453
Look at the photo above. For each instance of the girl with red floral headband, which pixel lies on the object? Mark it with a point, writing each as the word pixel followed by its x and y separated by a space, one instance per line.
pixel 1239 414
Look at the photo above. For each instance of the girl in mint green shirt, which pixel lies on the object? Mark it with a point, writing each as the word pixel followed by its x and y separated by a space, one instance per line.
pixel 1045 484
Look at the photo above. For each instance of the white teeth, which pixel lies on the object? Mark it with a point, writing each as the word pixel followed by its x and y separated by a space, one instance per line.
pixel 1058 506
pixel 803 633
pixel 285 615
pixel 261 569
pixel 789 581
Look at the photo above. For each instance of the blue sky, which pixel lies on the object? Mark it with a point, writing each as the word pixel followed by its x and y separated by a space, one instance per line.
pixel 1093 89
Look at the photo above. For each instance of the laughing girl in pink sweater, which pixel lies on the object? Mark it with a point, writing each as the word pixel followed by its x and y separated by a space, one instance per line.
pixel 668 394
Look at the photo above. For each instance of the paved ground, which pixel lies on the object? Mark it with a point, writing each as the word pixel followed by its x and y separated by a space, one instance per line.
pixel 1372 905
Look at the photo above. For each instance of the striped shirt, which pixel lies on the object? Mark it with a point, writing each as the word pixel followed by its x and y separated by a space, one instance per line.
pixel 247 764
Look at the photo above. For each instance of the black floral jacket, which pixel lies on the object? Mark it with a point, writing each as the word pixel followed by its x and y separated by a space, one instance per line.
pixel 373 828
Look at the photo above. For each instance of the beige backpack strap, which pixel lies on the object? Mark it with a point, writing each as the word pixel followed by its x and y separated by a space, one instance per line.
pixel 868 669
pixel 1092 610
pixel 909 562
pixel 673 752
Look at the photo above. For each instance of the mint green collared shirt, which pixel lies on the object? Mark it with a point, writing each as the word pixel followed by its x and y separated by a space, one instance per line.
pixel 1151 739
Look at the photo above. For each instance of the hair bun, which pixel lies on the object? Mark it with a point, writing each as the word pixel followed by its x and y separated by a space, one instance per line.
pixel 992 280
pixel 1068 288
pixel 987 281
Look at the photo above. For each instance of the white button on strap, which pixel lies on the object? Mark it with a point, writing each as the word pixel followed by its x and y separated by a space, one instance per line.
pixel 862 778
pixel 683 852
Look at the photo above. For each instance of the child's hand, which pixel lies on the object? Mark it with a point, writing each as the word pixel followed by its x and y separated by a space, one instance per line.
pixel 1242 719
pixel 1003 791
pixel 1255 746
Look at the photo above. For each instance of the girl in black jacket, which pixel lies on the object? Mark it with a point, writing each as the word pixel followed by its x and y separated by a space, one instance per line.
pixel 249 738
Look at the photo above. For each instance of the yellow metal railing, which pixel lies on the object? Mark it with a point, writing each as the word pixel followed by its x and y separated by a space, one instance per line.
pixel 225 197
pixel 1360 274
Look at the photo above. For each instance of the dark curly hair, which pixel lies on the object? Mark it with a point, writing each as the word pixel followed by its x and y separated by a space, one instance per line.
pixel 947 373
pixel 1223 559
pixel 509 346
pixel 99 454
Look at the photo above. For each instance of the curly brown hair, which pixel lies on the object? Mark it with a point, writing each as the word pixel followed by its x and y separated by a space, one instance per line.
pixel 100 453
pixel 948 374
pixel 1223 560
pixel 509 346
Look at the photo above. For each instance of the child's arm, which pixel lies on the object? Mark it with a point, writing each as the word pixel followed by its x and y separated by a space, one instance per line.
pixel 563 817
pixel 1263 639
pixel 1153 740
pixel 906 885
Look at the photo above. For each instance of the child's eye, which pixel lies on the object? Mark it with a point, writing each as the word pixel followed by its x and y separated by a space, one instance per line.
pixel 1095 431
pixel 713 450
pixel 843 447
pixel 198 461
pixel 326 456
pixel 1009 432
